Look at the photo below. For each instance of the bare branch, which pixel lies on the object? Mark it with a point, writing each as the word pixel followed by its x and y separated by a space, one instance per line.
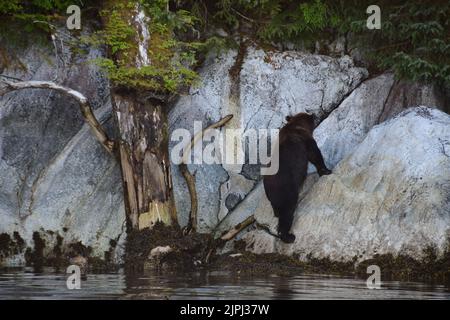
pixel 218 124
pixel 242 16
pixel 228 235
pixel 85 106
pixel 190 180
pixel 237 228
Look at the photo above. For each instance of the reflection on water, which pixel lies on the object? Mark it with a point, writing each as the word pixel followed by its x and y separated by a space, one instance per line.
pixel 25 284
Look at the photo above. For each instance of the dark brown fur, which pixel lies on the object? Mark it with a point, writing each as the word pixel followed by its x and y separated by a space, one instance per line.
pixel 297 147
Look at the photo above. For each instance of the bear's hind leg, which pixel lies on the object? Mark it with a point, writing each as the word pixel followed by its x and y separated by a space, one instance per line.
pixel 276 211
pixel 286 215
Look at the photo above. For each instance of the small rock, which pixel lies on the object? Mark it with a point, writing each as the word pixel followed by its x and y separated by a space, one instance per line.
pixel 159 251
pixel 79 261
pixel 197 262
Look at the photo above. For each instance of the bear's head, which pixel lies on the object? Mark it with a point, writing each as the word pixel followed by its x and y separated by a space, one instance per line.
pixel 303 120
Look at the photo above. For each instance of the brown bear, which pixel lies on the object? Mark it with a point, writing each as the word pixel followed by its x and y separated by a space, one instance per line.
pixel 296 147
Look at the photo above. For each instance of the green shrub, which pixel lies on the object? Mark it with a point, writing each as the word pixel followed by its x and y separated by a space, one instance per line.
pixel 414 40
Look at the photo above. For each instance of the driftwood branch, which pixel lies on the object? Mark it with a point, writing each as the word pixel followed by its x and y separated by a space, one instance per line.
pixel 190 179
pixel 85 106
pixel 229 235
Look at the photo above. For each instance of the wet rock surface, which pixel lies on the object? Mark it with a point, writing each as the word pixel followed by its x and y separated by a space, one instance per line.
pixel 55 178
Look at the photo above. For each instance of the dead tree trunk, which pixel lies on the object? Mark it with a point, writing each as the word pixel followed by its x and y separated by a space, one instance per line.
pixel 142 125
pixel 143 148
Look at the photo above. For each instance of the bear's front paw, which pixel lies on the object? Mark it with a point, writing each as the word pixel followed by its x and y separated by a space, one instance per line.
pixel 287 238
pixel 324 172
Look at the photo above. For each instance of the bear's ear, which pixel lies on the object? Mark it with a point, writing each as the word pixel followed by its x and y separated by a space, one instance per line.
pixel 288 118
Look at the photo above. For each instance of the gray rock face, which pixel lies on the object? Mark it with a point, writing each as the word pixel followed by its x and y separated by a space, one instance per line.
pixel 271 85
pixel 274 85
pixel 390 195
pixel 374 101
pixel 337 136
pixel 55 178
pixel 405 94
pixel 348 125
pixel 389 191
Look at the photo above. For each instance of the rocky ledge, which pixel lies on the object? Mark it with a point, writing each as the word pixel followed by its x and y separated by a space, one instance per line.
pixel 390 195
pixel 389 192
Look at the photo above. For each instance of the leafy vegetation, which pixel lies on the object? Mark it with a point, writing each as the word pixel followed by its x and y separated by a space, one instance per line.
pixel 34 6
pixel 34 14
pixel 172 49
pixel 175 43
pixel 413 40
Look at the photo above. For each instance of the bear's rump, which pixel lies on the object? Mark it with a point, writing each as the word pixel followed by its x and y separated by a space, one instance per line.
pixel 280 193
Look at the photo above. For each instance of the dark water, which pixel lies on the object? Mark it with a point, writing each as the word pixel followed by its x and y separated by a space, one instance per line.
pixel 25 284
